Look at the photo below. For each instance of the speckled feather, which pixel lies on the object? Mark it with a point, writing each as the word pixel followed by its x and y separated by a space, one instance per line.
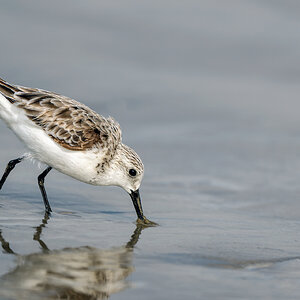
pixel 69 123
pixel 71 138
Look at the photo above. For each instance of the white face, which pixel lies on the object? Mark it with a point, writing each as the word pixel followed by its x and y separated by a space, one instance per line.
pixel 125 170
pixel 129 179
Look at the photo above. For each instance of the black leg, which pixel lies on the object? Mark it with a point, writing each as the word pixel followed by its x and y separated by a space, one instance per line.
pixel 41 180
pixel 8 169
pixel 5 245
pixel 38 232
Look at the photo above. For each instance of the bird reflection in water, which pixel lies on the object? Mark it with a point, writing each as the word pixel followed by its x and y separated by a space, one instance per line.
pixel 70 273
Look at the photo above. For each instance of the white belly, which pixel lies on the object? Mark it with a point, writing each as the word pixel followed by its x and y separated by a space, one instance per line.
pixel 80 165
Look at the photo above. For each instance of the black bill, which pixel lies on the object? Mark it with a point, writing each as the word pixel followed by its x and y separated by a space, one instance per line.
pixel 136 200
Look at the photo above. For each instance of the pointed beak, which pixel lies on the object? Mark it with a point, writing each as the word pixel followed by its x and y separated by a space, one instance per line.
pixel 136 200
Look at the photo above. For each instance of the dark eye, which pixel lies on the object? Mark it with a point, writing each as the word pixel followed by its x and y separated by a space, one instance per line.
pixel 132 172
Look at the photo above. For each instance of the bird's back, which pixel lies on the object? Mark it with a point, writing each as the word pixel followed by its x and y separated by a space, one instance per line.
pixel 70 123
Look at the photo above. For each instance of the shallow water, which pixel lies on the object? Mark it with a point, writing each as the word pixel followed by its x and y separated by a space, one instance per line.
pixel 207 93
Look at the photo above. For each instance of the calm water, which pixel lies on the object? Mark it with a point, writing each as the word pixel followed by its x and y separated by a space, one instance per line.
pixel 207 93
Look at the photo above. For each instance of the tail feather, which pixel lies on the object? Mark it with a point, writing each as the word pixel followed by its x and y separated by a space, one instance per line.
pixel 8 90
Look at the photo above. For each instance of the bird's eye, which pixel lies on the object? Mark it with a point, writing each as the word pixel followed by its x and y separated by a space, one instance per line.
pixel 132 172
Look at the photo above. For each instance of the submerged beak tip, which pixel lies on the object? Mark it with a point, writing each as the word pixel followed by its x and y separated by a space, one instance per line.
pixel 142 220
pixel 136 200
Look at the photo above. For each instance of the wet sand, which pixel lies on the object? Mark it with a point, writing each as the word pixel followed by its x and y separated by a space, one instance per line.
pixel 207 93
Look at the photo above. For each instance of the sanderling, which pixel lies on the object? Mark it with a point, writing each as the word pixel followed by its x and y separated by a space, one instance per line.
pixel 86 271
pixel 71 138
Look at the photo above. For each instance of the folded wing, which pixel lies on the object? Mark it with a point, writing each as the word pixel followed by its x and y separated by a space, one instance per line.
pixel 69 123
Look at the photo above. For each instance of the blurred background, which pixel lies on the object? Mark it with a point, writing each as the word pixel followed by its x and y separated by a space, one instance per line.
pixel 207 93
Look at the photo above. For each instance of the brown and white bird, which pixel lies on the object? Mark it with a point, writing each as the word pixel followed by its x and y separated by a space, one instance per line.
pixel 71 138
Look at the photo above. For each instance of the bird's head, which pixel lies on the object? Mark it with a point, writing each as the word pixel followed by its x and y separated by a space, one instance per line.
pixel 126 170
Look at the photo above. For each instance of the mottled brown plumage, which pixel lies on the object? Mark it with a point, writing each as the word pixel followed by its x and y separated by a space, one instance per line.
pixel 72 138
pixel 69 123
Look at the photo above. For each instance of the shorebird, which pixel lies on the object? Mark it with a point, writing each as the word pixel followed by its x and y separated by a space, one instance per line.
pixel 71 273
pixel 71 138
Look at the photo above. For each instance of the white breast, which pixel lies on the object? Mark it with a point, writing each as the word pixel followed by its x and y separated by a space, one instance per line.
pixel 80 165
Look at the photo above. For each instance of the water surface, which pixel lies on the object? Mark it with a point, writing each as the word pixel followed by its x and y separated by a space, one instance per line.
pixel 207 93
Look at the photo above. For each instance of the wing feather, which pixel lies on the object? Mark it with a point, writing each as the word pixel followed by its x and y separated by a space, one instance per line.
pixel 69 123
